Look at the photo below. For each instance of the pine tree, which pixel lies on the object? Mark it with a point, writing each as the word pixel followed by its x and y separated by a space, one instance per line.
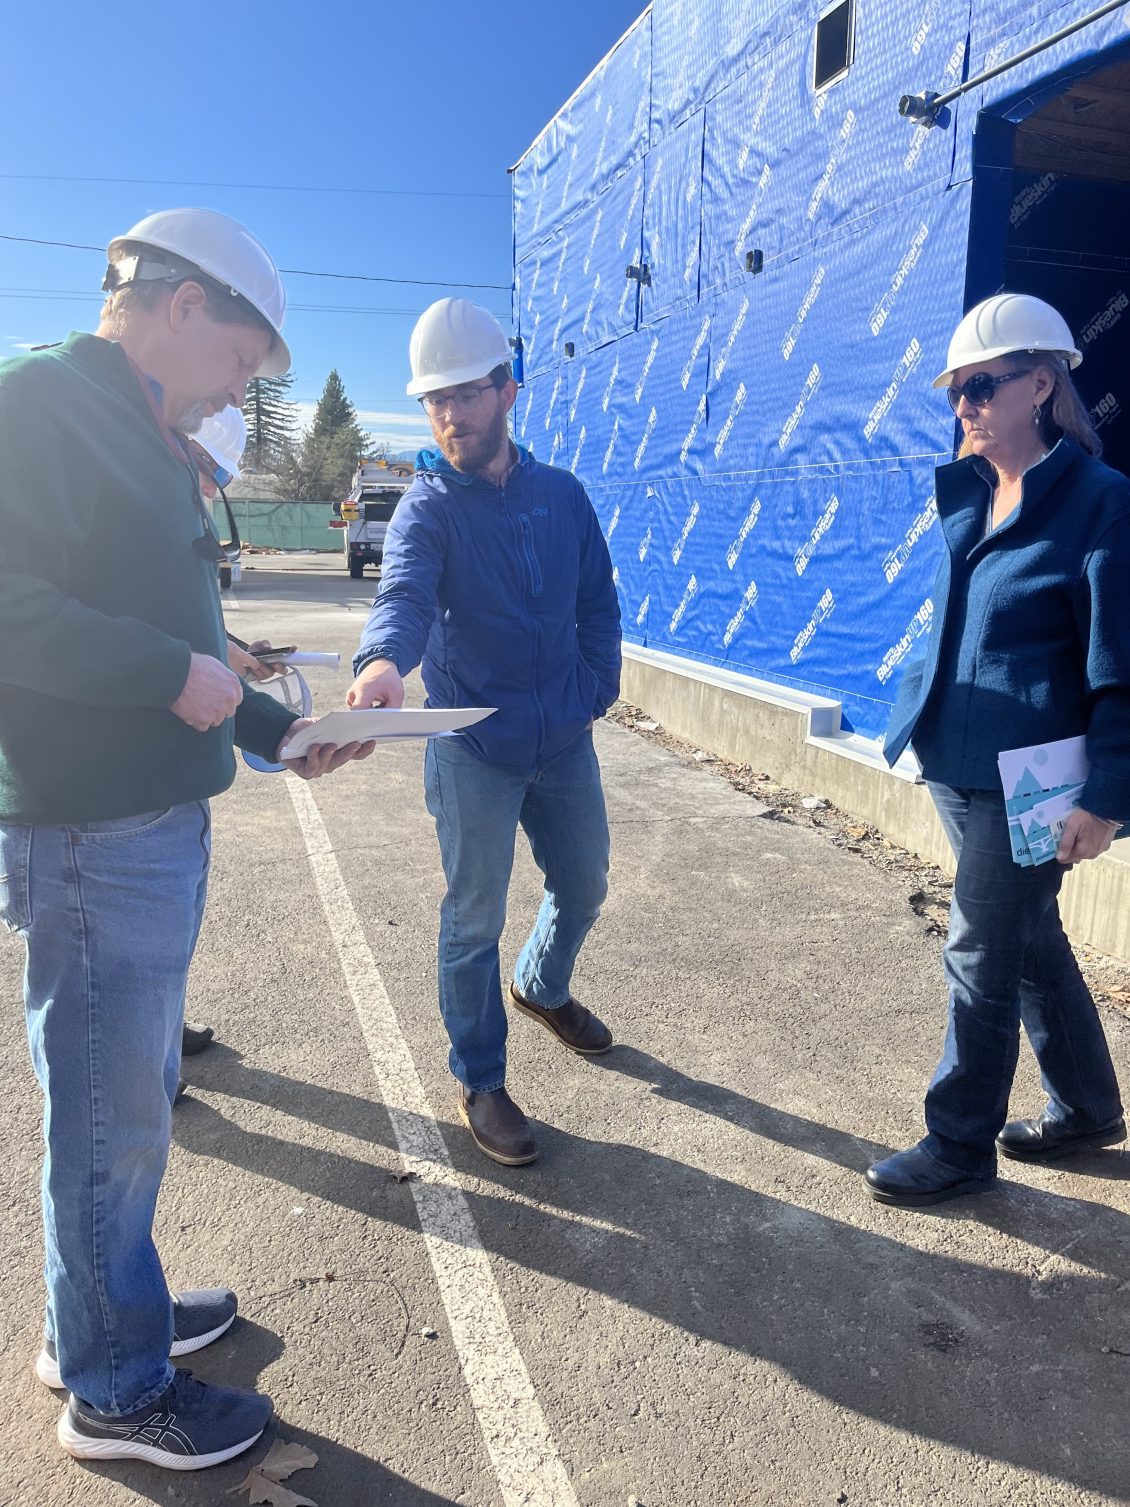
pixel 271 422
pixel 334 443
pixel 321 468
pixel 335 414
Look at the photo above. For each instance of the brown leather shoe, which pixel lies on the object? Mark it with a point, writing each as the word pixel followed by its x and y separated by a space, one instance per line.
pixel 498 1127
pixel 574 1026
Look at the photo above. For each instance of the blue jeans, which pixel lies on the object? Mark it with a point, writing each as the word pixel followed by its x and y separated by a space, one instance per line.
pixel 478 808
pixel 110 913
pixel 1007 960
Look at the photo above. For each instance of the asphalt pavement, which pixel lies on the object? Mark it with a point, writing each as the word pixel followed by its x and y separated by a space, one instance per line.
pixel 688 1301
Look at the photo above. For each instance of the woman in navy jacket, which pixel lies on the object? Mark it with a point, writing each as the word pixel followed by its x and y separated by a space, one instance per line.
pixel 1031 643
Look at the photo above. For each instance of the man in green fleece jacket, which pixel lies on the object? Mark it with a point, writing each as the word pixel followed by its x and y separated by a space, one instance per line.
pixel 117 718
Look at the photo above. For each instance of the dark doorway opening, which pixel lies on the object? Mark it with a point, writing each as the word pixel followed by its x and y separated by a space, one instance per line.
pixel 1060 178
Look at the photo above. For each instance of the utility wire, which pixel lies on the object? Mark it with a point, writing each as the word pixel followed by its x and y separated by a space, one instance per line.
pixel 274 188
pixel 358 277
pixel 31 240
pixel 414 282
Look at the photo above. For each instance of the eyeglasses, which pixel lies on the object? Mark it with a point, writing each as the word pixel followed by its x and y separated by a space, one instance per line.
pixel 459 397
pixel 980 389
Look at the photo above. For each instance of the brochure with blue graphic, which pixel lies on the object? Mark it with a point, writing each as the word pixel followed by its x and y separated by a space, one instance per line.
pixel 1042 785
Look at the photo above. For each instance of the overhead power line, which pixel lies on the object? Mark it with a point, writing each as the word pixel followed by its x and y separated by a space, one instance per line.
pixel 413 282
pixel 356 277
pixel 272 188
pixel 30 240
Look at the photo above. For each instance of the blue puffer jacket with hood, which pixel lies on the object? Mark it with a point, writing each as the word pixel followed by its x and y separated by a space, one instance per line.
pixel 505 596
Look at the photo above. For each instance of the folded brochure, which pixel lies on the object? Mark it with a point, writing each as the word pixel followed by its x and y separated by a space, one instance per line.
pixel 382 724
pixel 1042 785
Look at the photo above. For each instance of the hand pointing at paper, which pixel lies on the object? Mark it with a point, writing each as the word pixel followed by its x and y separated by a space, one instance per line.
pixel 379 684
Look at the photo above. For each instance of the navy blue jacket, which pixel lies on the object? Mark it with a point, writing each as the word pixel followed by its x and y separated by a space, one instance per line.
pixel 1031 633
pixel 506 596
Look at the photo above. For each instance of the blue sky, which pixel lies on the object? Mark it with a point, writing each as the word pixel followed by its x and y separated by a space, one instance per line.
pixel 436 98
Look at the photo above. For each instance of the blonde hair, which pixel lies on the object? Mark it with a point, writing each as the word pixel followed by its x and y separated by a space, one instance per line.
pixel 1062 413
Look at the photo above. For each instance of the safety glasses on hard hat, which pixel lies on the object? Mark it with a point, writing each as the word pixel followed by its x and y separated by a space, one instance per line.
pixel 981 388
pixel 461 397
pixel 208 466
pixel 208 545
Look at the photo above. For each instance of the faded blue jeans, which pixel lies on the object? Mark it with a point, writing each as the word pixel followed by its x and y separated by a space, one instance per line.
pixel 1007 960
pixel 478 808
pixel 110 913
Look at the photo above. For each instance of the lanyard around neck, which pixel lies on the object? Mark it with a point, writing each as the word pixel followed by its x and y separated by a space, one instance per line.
pixel 173 441
pixel 179 448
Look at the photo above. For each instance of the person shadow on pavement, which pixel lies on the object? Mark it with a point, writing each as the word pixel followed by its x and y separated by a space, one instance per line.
pixel 341 1476
pixel 935 1344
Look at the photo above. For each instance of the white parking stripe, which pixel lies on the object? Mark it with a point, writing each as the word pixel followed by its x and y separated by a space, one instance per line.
pixel 529 1470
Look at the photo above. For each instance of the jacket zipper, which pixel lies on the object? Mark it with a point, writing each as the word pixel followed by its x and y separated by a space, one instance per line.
pixel 531 556
pixel 536 586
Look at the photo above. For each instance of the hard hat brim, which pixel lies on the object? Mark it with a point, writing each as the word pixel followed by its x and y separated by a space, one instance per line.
pixel 278 360
pixel 436 381
pixel 1072 358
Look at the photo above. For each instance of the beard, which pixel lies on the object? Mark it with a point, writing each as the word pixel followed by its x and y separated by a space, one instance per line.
pixel 190 420
pixel 472 453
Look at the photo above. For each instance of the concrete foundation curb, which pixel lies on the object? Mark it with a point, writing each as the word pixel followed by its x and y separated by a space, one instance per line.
pixel 796 740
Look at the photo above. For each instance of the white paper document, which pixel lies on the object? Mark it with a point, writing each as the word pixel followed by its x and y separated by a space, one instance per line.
pixel 383 724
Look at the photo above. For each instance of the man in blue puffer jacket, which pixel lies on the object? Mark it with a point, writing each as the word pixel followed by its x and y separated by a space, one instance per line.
pixel 497 577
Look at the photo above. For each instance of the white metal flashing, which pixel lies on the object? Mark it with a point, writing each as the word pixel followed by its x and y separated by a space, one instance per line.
pixel 822 714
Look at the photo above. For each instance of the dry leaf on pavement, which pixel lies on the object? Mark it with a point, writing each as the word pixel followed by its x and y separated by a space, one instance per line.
pixel 281 1460
pixel 274 1494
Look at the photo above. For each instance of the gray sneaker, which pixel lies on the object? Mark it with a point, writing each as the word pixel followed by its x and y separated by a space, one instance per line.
pixel 199 1317
pixel 189 1427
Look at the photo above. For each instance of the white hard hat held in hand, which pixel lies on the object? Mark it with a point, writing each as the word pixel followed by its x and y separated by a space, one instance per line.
pixel 204 240
pixel 1004 324
pixel 224 436
pixel 454 341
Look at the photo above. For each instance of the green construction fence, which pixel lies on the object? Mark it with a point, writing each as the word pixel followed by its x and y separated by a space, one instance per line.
pixel 286 525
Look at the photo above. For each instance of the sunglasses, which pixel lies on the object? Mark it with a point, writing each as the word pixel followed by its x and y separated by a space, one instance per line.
pixel 209 467
pixel 208 545
pixel 979 389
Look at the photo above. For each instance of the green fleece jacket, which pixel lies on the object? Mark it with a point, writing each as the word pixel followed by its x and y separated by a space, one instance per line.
pixel 102 601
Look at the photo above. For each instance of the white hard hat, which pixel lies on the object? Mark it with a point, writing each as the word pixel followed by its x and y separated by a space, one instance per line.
pixel 1006 323
pixel 454 341
pixel 289 688
pixel 224 436
pixel 213 243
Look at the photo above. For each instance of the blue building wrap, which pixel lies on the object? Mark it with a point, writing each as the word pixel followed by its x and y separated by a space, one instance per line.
pixel 733 292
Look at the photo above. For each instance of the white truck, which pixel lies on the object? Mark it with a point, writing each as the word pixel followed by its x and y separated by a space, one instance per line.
pixel 364 515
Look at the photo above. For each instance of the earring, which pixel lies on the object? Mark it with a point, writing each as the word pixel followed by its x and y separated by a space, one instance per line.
pixel 1037 415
